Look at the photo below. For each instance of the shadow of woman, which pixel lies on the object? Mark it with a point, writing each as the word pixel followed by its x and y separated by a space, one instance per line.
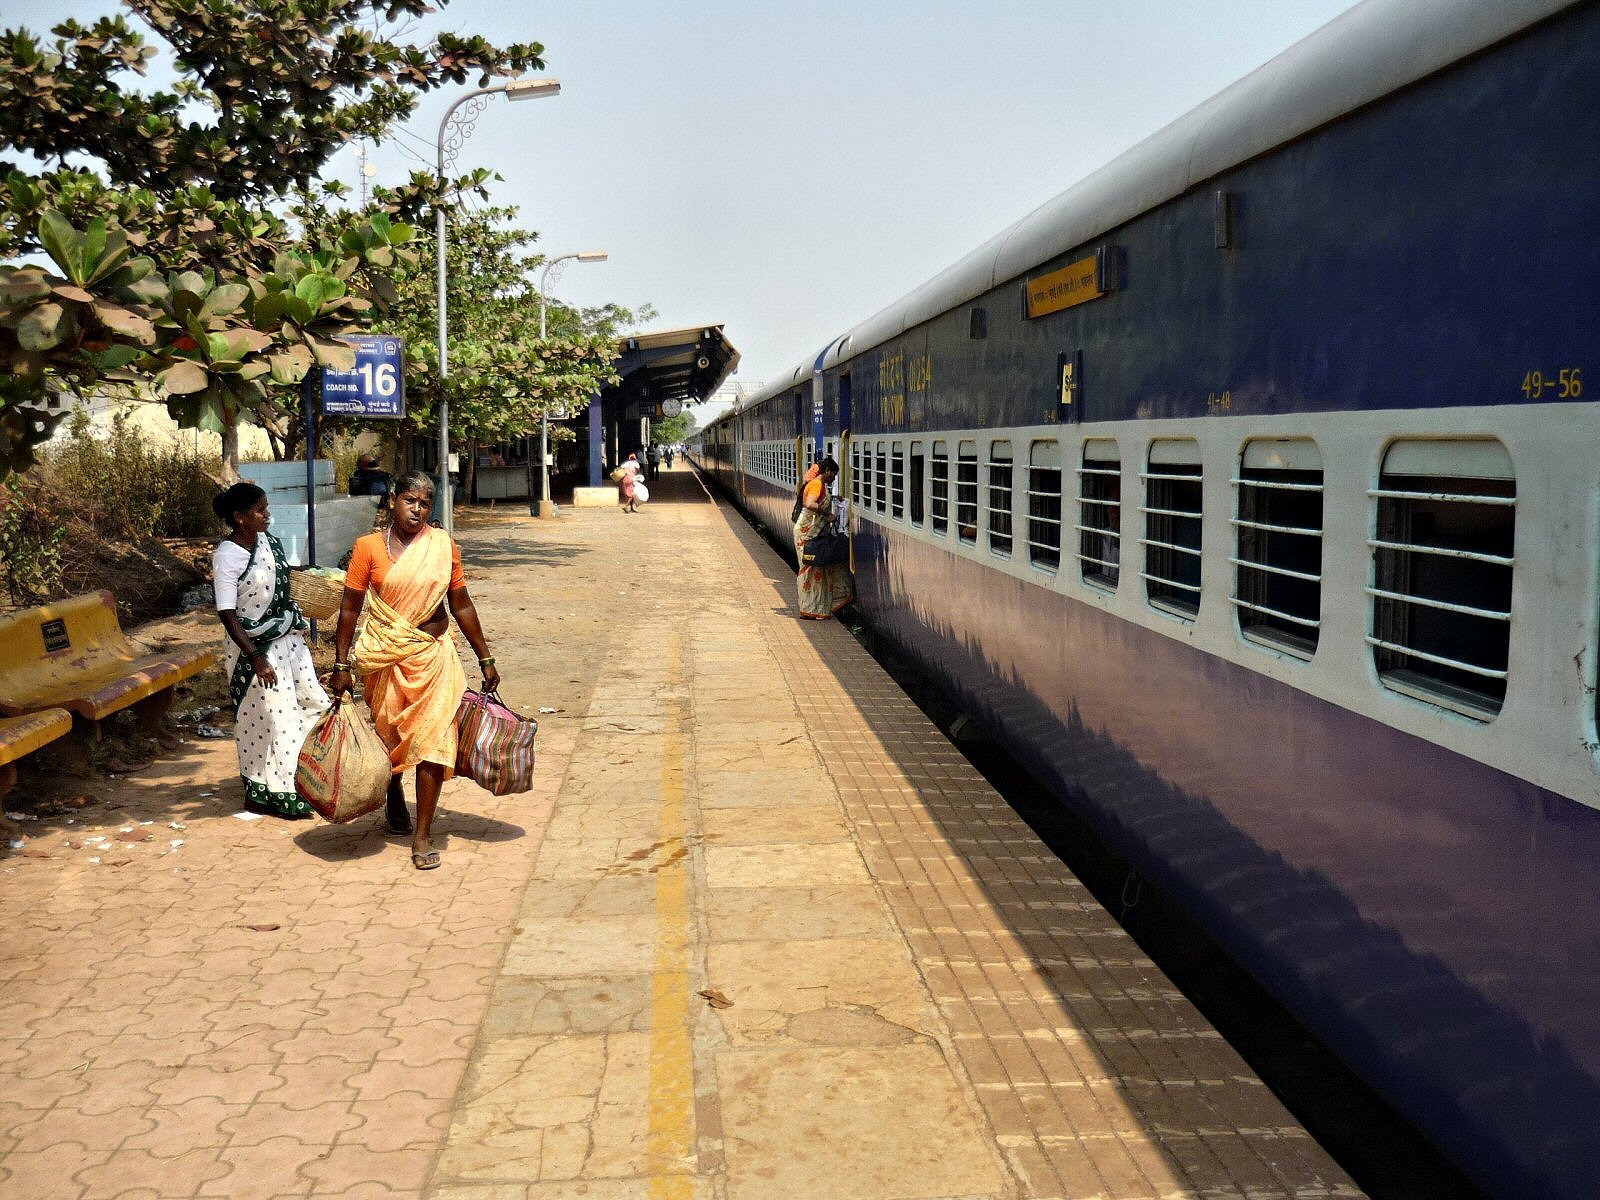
pixel 367 836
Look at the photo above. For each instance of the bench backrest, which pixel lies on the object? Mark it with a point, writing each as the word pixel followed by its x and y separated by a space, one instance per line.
pixel 43 642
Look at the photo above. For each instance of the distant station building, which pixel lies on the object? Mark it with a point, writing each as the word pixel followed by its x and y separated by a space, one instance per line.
pixel 661 374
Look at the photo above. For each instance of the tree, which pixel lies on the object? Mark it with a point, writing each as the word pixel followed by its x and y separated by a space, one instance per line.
pixel 670 431
pixel 502 379
pixel 160 210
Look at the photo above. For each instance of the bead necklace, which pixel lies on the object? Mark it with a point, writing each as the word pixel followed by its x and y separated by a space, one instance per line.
pixel 388 546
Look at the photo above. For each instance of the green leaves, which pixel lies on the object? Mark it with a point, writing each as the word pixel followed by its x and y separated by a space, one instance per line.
pixel 62 243
pixel 290 366
pixel 268 93
pixel 22 286
pixel 41 326
pixel 313 292
pixel 184 377
pixel 174 255
pixel 125 323
pixel 22 427
pixel 85 257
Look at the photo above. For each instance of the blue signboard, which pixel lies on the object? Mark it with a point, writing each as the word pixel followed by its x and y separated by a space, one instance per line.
pixel 376 388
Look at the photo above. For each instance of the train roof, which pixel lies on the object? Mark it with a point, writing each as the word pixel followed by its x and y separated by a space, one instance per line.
pixel 1374 49
pixel 779 384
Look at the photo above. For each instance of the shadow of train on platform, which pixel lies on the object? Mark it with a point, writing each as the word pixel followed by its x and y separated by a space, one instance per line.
pixel 1426 1008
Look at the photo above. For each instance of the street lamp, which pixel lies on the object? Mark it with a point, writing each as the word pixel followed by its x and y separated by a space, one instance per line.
pixel 547 506
pixel 477 101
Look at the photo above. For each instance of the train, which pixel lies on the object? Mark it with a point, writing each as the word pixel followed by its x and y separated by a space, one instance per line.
pixel 1248 494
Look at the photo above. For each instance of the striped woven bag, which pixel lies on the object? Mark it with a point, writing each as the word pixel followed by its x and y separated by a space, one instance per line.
pixel 494 746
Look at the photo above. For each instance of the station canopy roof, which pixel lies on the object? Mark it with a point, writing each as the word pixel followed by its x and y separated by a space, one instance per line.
pixel 685 365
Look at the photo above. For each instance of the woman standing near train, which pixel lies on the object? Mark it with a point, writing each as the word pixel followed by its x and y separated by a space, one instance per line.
pixel 823 590
pixel 408 576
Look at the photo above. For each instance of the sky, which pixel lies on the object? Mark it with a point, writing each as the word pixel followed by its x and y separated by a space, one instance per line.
pixel 787 170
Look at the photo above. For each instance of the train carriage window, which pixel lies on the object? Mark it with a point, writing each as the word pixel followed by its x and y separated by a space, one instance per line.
pixel 1172 524
pixel 918 474
pixel 939 510
pixel 1277 592
pixel 881 479
pixel 1100 508
pixel 897 480
pixel 1442 561
pixel 1044 505
pixel 999 498
pixel 866 476
pixel 855 472
pixel 967 491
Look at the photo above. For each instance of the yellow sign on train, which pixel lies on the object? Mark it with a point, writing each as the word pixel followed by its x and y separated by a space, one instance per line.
pixel 1073 284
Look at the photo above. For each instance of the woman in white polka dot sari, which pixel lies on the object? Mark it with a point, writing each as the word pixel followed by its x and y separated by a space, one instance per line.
pixel 271 678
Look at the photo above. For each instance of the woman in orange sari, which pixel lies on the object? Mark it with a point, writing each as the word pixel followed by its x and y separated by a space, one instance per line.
pixel 823 590
pixel 406 576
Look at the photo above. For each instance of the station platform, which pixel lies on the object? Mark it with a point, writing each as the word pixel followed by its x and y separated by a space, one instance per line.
pixel 760 932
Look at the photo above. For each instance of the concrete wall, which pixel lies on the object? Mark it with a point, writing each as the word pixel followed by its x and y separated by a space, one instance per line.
pixel 340 519
pixel 156 428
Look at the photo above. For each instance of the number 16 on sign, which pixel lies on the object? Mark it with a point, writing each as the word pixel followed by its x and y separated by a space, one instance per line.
pixel 375 388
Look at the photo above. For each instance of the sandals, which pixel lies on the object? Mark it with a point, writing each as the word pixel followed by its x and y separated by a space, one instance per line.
pixel 428 861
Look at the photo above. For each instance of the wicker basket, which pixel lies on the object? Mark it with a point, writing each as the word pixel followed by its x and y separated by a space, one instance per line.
pixel 317 594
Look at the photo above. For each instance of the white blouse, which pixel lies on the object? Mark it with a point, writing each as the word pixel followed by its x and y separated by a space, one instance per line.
pixel 228 563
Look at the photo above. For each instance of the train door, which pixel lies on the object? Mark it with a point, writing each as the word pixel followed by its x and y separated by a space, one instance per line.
pixel 840 444
pixel 819 447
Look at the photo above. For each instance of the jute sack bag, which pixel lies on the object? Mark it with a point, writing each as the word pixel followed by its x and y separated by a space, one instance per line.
pixel 343 770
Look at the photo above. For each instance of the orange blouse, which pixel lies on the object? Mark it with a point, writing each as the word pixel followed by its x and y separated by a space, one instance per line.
pixel 370 563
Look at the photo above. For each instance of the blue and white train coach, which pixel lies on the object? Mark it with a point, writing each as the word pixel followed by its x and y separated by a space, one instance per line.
pixel 1250 491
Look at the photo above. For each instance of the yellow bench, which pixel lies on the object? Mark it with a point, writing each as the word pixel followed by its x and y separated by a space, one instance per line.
pixel 23 735
pixel 73 654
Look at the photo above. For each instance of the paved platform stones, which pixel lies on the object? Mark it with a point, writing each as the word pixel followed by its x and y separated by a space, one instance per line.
pixel 920 1003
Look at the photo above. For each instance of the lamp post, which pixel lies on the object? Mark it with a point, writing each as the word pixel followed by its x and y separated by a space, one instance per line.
pixel 547 506
pixel 519 89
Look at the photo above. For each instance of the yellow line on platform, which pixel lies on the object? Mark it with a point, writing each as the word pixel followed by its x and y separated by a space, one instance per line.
pixel 671 1061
